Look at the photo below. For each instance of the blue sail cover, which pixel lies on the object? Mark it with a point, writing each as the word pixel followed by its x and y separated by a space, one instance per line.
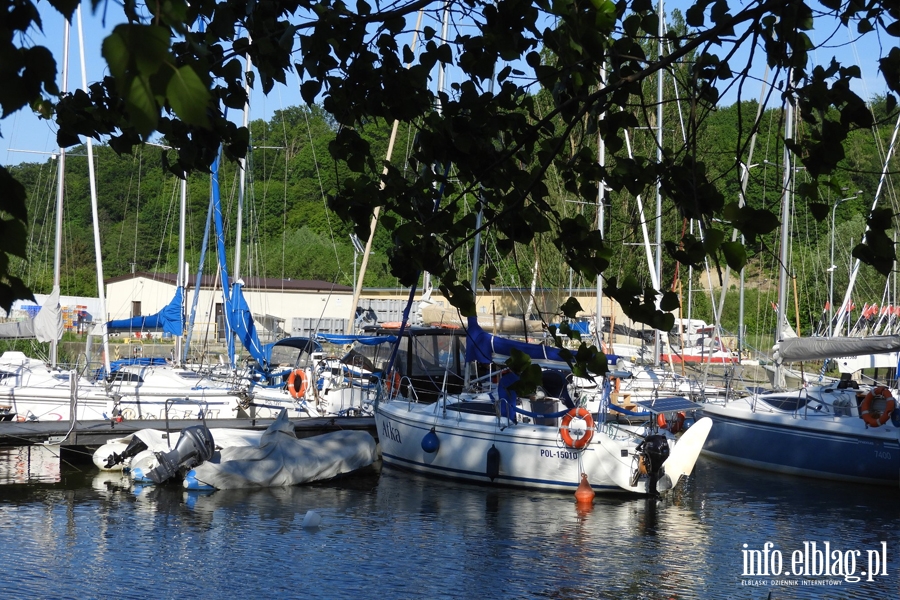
pixel 240 321
pixel 483 347
pixel 170 319
pixel 365 340
pixel 238 318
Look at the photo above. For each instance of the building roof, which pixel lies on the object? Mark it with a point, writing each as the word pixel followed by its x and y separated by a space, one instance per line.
pixel 266 284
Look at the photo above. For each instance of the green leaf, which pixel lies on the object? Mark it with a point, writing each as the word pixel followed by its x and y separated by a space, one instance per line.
pixel 669 302
pixel 189 97
pixel 571 308
pixel 819 211
pixel 142 107
pixel 735 255
pixel 712 239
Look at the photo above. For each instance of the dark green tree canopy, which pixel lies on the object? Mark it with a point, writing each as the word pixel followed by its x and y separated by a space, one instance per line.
pixel 492 136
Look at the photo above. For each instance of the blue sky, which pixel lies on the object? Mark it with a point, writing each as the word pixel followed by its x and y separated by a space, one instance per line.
pixel 29 139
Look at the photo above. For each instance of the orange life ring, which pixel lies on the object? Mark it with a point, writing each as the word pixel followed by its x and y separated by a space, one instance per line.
pixel 391 325
pixel 865 409
pixel 661 421
pixel 585 439
pixel 392 383
pixel 292 385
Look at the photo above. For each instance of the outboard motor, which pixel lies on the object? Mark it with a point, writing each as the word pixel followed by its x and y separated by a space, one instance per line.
pixel 193 447
pixel 652 453
pixel 134 446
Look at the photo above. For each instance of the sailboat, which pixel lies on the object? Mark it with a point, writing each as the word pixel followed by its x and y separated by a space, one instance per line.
pixel 485 434
pixel 30 389
pixel 834 430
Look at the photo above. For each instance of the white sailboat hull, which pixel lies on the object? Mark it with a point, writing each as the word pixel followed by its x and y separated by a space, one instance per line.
pixel 531 456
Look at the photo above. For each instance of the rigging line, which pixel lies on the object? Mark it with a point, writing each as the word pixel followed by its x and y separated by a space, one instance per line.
pixel 121 240
pixel 166 240
pixel 23 271
pixel 284 196
pixel 137 212
pixel 312 147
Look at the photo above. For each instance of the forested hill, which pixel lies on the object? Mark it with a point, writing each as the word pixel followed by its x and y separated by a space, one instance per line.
pixel 289 232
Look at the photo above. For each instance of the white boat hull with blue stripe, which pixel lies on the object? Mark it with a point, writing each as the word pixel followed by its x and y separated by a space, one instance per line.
pixel 468 431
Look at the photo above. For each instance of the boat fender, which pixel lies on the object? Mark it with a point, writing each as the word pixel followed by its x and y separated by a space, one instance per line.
pixel 895 418
pixel 191 482
pixel 431 443
pixel 565 433
pixel 493 463
pixel 392 383
pixel 585 493
pixel 296 388
pixel 872 417
pixel 677 423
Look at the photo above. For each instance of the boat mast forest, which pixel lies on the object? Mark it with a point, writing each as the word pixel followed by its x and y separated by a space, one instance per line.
pixel 521 129
pixel 293 234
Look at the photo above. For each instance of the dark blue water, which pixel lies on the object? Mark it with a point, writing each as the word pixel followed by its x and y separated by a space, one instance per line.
pixel 68 532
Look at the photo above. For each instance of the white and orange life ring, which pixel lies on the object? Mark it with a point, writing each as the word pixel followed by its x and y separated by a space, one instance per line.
pixel 871 417
pixel 585 438
pixel 297 389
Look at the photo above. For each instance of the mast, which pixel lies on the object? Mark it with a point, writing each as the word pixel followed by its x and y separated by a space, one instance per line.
pixel 357 287
pixel 853 274
pixel 785 229
pixel 60 185
pixel 659 157
pixel 601 224
pixel 101 292
pixel 181 277
pixel 742 201
pixel 245 121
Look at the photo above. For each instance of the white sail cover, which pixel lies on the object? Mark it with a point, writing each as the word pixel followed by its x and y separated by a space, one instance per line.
pixel 48 324
pixel 281 459
pixel 17 329
pixel 820 348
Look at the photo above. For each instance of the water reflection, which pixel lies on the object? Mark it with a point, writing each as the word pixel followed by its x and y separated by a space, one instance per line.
pixel 407 536
pixel 29 464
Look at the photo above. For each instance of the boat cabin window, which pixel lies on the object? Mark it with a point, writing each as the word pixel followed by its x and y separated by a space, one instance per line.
pixel 433 354
pixel 290 356
pixel 191 375
pixel 366 357
pixel 126 376
pixel 784 402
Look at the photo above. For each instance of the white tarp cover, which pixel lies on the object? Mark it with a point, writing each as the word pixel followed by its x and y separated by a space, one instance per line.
pixel 834 347
pixel 17 329
pixel 281 459
pixel 48 324
pixel 158 441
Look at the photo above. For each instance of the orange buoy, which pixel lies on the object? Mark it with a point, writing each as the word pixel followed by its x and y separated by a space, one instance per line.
pixel 585 493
